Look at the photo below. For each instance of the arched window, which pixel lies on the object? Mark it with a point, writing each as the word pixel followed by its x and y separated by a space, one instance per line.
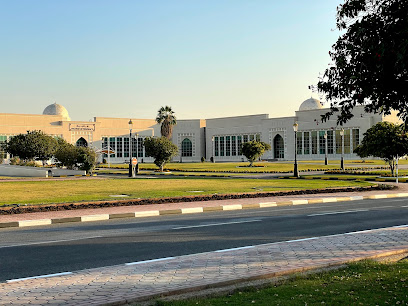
pixel 278 147
pixel 81 142
pixel 186 147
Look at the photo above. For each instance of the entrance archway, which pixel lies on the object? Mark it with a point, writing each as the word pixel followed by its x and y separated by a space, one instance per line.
pixel 81 142
pixel 278 147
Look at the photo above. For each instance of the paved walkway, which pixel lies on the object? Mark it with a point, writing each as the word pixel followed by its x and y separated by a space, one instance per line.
pixel 150 279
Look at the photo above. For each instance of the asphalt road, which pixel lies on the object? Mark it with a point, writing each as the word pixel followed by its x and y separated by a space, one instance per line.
pixel 26 252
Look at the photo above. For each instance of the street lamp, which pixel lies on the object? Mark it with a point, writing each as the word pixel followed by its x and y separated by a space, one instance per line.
pixel 342 145
pixel 325 149
pixel 130 148
pixel 137 153
pixel 295 167
pixel 212 149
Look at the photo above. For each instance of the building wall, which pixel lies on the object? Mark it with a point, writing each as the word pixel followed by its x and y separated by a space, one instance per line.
pixel 219 138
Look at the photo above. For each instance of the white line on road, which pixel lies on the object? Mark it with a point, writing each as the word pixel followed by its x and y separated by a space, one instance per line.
pixel 47 242
pixel 234 249
pixel 404 206
pixel 41 276
pixel 147 261
pixel 337 212
pixel 215 224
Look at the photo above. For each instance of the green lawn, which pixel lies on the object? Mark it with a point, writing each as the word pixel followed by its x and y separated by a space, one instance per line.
pixel 36 192
pixel 362 283
pixel 238 167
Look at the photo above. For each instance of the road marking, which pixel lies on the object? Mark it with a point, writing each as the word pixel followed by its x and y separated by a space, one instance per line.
pixel 214 224
pixel 337 212
pixel 47 242
pixel 397 200
pixel 234 249
pixel 40 276
pixel 147 261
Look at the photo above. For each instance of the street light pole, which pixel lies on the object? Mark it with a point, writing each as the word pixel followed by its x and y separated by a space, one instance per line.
pixel 342 145
pixel 130 148
pixel 295 166
pixel 137 154
pixel 212 149
pixel 325 149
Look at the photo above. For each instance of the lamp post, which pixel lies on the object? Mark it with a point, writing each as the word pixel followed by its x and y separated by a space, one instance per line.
pixel 130 148
pixel 212 149
pixel 295 166
pixel 325 148
pixel 137 154
pixel 342 145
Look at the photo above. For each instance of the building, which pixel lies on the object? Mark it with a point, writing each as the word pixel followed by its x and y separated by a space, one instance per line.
pixel 220 138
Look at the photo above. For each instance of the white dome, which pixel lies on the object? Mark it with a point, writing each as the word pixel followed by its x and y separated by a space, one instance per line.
pixel 310 104
pixel 57 109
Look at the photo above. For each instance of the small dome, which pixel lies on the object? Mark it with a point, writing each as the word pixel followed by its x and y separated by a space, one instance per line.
pixel 57 109
pixel 310 104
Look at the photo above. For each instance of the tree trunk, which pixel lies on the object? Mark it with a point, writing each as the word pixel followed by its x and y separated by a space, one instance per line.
pixel 392 166
pixel 161 167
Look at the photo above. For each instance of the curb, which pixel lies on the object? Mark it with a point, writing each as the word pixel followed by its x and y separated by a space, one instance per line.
pixel 192 210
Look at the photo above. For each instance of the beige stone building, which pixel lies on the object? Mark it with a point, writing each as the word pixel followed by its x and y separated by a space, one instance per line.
pixel 219 138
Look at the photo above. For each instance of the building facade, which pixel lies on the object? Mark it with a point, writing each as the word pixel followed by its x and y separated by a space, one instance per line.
pixel 220 138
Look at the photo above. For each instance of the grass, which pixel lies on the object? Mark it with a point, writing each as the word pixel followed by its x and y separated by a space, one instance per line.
pixel 362 283
pixel 37 192
pixel 238 167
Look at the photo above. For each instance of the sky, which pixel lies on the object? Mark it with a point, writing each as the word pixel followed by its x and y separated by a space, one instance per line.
pixel 127 58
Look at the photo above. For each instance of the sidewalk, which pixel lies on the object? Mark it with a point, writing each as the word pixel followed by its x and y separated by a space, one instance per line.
pixel 150 279
pixel 98 214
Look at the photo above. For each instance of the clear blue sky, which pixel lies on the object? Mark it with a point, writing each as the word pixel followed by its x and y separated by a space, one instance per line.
pixel 126 58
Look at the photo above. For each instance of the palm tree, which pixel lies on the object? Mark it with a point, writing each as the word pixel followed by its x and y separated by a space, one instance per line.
pixel 166 117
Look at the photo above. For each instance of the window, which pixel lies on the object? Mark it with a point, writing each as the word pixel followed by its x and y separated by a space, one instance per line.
pixel 81 142
pixel 338 142
pixel 3 154
pixel 216 146
pixel 134 147
pixel 356 138
pixel 322 142
pixel 222 146
pixel 306 143
pixel 299 142
pixel 186 147
pixel 330 144
pixel 258 137
pixel 314 142
pixel 278 147
pixel 233 145
pixel 251 137
pixel 245 138
pixel 112 145
pixel 346 141
pixel 119 151
pixel 126 146
pixel 227 145
pixel 140 147
pixel 239 143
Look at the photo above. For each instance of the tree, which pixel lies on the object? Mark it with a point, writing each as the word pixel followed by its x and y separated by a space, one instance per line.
pixel 386 141
pixel 252 150
pixel 86 158
pixel 33 145
pixel 370 60
pixel 71 156
pixel 161 149
pixel 167 119
pixel 66 154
